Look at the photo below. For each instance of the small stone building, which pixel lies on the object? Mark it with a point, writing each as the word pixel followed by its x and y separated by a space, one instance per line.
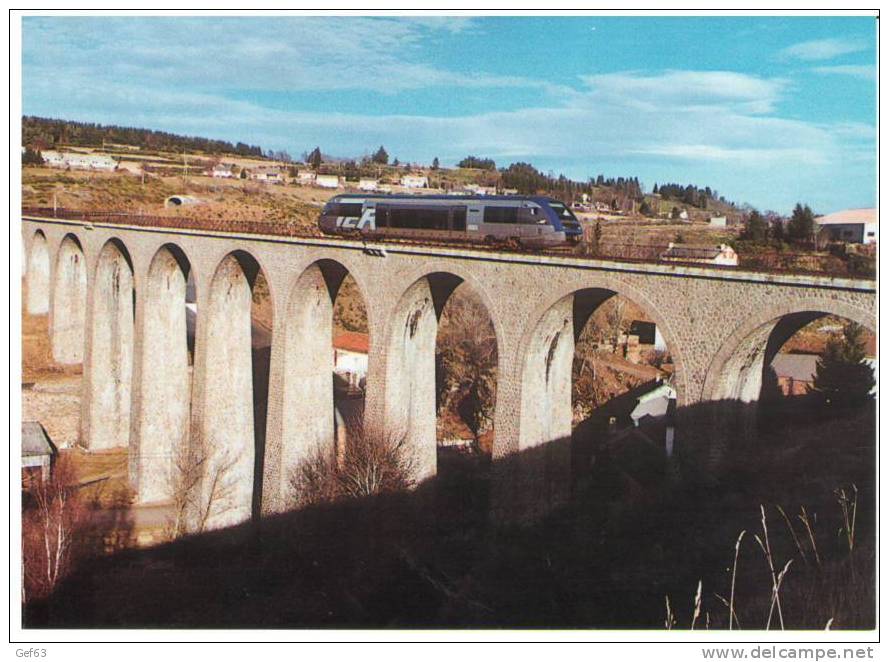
pixel 38 451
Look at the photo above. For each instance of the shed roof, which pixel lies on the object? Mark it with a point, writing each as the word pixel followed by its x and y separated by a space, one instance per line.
pixel 35 440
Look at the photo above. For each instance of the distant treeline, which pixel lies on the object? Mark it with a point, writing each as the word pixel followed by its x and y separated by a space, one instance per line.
pixel 690 195
pixel 527 179
pixel 42 133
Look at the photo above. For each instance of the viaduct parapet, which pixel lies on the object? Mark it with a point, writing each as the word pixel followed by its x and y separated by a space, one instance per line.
pixel 116 295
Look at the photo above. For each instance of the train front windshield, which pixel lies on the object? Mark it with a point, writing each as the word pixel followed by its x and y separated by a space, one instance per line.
pixel 562 211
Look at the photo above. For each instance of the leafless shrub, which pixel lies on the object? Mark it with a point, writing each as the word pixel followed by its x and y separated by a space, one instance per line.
pixel 370 464
pixel 49 531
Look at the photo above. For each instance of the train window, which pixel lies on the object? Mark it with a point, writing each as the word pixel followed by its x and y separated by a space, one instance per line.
pixel 402 218
pixel 346 209
pixel 458 218
pixel 418 218
pixel 501 214
pixel 437 218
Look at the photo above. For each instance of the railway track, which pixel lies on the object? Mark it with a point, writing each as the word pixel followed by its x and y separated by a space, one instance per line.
pixel 627 253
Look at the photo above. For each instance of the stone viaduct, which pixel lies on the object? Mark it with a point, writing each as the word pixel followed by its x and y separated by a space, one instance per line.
pixel 115 295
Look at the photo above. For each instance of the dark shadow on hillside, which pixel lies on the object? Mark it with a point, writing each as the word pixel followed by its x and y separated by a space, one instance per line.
pixel 524 543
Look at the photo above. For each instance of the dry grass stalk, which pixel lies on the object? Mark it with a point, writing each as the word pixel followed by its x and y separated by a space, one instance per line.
pixel 731 606
pixel 670 620
pixel 796 540
pixel 776 577
pixel 849 506
pixel 804 518
pixel 697 611
pixel 828 624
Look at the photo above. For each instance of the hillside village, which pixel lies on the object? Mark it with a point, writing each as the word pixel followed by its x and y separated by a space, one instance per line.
pixel 251 184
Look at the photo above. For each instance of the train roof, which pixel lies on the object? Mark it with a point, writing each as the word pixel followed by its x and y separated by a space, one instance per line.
pixel 540 199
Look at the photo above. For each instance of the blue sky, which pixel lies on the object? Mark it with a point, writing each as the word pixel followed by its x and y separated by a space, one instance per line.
pixel 766 110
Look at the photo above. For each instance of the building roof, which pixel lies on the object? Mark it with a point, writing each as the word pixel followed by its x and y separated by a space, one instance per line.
pixel 865 215
pixel 35 441
pixel 696 252
pixel 799 367
pixel 655 403
pixel 351 341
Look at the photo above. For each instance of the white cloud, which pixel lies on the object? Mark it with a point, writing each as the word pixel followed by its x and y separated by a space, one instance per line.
pixel 862 71
pixel 824 49
pixel 761 155
pixel 691 89
pixel 312 53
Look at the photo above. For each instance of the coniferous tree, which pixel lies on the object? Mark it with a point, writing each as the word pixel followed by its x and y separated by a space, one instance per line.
pixel 381 156
pixel 435 163
pixel 756 229
pixel 32 157
pixel 842 377
pixel 802 223
pixel 776 229
pixel 315 158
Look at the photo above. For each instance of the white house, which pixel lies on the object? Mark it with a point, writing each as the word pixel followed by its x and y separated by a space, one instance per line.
pixel 475 189
pixel 415 181
pixel 658 404
pixel 718 221
pixel 305 177
pixel 327 181
pixel 368 184
pixel 223 171
pixel 854 226
pixel 78 161
pixel 90 161
pixel 722 254
pixel 350 351
pixel 267 175
pixel 53 159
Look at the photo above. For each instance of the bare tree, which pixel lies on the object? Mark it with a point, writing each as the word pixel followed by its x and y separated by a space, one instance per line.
pixel 201 485
pixel 49 529
pixel 467 362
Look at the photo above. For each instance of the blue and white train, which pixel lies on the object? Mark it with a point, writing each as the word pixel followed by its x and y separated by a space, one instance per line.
pixel 512 220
